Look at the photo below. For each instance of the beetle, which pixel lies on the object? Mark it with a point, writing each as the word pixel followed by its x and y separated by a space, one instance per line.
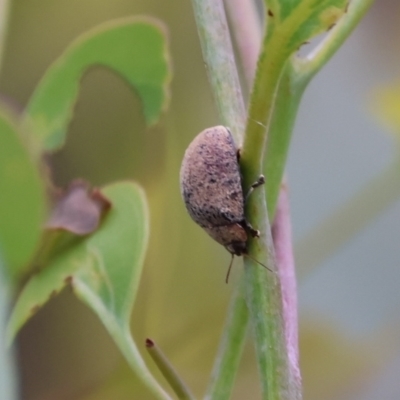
pixel 211 187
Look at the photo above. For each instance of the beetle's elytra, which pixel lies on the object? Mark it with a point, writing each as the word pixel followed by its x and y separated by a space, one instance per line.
pixel 212 190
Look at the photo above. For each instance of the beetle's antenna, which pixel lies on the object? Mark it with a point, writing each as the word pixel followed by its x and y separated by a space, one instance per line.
pixel 229 269
pixel 258 262
pixel 260 181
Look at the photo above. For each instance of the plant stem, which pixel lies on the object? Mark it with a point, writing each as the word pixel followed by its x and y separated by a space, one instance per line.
pixel 282 235
pixel 218 56
pixel 295 78
pixel 283 117
pixel 273 109
pixel 123 338
pixel 311 64
pixel 274 103
pixel 168 371
pixel 278 122
pixel 263 291
pixel 220 63
pixel 230 348
pixel 287 103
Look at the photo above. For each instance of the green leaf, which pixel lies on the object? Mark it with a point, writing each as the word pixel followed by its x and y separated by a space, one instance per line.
pixel 135 48
pixel 298 21
pixel 104 269
pixel 111 267
pixel 22 199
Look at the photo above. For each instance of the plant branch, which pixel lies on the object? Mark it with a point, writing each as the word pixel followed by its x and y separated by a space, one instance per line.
pixel 123 338
pixel 311 64
pixel 230 348
pixel 220 63
pixel 284 114
pixel 280 83
pixel 297 74
pixel 265 306
pixel 218 56
pixel 168 371
pixel 282 235
pixel 287 102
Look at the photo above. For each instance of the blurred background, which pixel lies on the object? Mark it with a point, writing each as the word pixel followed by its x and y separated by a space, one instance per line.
pixel 341 167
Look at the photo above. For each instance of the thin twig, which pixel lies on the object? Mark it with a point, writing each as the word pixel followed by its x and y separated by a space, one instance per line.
pixel 168 371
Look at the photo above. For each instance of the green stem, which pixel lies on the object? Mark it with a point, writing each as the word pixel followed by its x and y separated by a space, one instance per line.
pixel 265 306
pixel 220 63
pixel 287 103
pixel 168 371
pixel 295 78
pixel 263 296
pixel 218 56
pixel 230 348
pixel 311 64
pixel 282 235
pixel 123 338
pixel 269 69
pixel 272 111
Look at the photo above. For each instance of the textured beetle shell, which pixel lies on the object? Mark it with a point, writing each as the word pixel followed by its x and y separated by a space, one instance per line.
pixel 211 187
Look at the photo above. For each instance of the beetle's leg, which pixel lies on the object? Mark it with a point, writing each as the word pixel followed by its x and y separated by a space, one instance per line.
pixel 253 232
pixel 260 181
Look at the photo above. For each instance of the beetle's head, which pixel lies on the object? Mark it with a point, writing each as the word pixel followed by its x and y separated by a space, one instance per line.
pixel 237 248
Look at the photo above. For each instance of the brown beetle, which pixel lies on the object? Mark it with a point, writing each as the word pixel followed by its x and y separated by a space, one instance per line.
pixel 212 189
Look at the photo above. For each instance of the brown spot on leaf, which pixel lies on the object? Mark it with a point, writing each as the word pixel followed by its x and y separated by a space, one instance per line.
pixel 270 13
pixel 79 209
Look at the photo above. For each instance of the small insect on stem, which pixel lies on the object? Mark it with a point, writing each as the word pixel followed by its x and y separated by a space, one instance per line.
pixel 211 186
